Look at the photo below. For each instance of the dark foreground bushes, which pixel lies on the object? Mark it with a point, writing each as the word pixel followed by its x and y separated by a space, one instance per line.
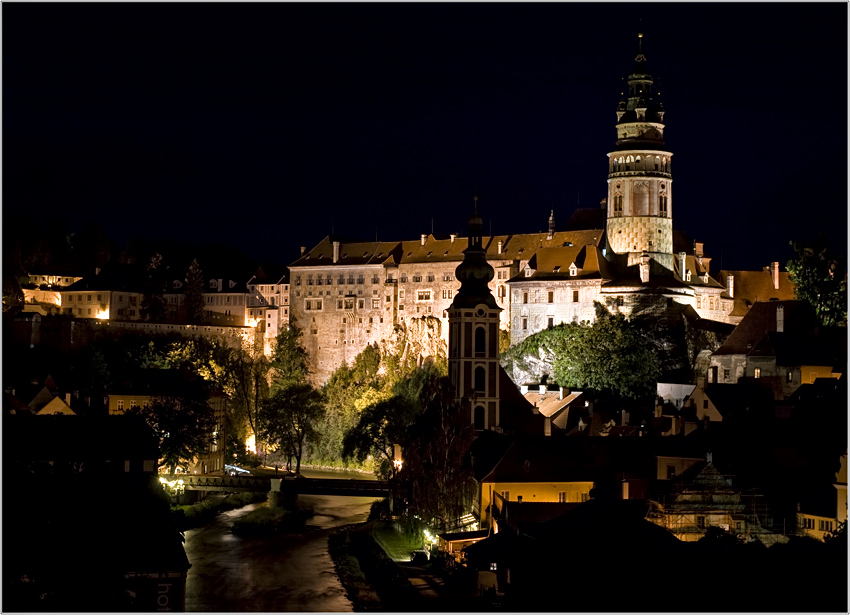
pixel 371 579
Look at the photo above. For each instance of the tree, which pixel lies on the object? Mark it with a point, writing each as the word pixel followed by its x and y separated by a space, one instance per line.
pixel 612 356
pixel 820 278
pixel 379 428
pixel 436 471
pixel 289 359
pixel 183 423
pixel 153 287
pixel 288 418
pixel 247 371
pixel 194 293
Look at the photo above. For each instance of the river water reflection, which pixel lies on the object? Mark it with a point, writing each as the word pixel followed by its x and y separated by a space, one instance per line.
pixel 289 572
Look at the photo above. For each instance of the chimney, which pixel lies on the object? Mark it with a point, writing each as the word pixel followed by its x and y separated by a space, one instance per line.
pixel 336 251
pixel 68 398
pixel 625 485
pixel 561 393
pixel 535 409
pixel 97 270
pixel 523 389
pixel 730 285
pixel 774 274
pixel 624 418
pixel 683 264
pixel 551 225
pixel 547 426
pixel 698 249
pixel 453 236
pixel 708 457
pixel 603 204
pixel 780 318
pixel 499 246
pixel 644 268
pixel 423 236
pixel 542 390
pixel 303 250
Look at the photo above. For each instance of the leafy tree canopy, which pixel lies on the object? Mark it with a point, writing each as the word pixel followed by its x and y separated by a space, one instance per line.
pixel 289 417
pixel 613 356
pixel 820 278
pixel 289 359
pixel 183 423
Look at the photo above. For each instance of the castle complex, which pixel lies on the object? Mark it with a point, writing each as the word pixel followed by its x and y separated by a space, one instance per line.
pixel 347 295
pixel 344 295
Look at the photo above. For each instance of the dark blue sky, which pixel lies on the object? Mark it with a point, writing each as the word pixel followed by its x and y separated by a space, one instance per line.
pixel 268 125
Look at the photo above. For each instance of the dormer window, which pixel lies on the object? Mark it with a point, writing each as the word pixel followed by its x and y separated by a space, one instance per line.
pixel 529 272
pixel 213 284
pixel 177 284
pixel 688 275
pixel 573 270
pixel 232 284
pixel 556 269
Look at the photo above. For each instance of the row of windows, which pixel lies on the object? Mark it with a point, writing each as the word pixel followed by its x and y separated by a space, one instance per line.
pixel 632 163
pixel 618 205
pixel 550 297
pixel 320 280
pixel 224 300
pixel 711 303
pixel 268 289
pixel 48 279
pixel 89 298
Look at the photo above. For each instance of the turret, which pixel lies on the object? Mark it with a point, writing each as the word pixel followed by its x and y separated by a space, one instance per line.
pixel 640 200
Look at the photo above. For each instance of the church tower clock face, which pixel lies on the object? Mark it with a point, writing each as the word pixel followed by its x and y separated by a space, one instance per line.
pixel 640 211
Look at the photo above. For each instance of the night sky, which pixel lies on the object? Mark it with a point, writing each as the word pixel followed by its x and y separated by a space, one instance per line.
pixel 268 126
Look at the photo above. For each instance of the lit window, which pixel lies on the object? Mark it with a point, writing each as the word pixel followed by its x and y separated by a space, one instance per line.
pixel 757 372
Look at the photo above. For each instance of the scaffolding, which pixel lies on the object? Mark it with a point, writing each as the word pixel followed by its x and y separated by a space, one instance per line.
pixel 710 499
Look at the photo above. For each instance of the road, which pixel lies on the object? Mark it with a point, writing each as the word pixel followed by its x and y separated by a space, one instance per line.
pixel 288 572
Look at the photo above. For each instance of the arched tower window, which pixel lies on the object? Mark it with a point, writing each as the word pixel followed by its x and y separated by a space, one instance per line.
pixel 480 341
pixel 478 417
pixel 662 205
pixel 657 163
pixel 480 378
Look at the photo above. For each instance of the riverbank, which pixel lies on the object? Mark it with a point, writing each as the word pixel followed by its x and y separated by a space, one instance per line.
pixel 371 579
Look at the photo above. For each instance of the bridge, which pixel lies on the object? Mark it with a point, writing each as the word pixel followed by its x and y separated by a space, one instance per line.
pixel 290 483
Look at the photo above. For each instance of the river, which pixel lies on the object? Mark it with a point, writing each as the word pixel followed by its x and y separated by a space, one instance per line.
pixel 288 572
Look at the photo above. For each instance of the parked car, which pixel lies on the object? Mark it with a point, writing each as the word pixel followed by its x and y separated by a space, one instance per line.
pixel 420 557
pixel 235 471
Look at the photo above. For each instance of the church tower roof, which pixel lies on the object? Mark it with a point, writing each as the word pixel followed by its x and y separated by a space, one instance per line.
pixel 643 103
pixel 475 273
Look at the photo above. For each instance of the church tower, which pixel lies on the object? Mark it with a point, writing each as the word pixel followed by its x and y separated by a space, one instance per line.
pixel 474 333
pixel 640 197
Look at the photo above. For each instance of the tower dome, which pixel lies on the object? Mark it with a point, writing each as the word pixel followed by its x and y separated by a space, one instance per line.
pixel 475 273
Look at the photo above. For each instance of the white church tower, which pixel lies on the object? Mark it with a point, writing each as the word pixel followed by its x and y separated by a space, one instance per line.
pixel 640 196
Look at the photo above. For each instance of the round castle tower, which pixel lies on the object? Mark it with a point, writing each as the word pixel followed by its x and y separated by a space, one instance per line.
pixel 640 197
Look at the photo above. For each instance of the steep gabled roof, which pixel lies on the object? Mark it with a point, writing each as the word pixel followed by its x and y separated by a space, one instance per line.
pixel 351 253
pixel 750 287
pixel 113 277
pixel 554 264
pixel 761 318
